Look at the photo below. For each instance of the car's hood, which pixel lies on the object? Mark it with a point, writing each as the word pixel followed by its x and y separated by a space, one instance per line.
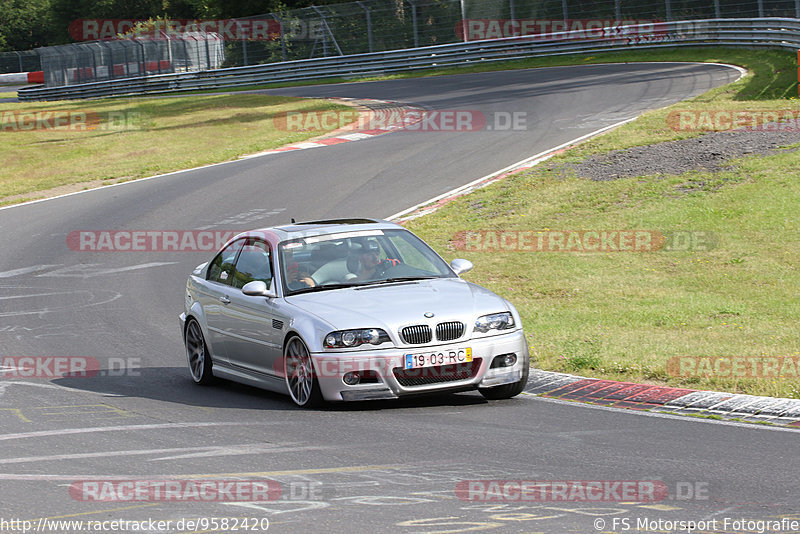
pixel 392 306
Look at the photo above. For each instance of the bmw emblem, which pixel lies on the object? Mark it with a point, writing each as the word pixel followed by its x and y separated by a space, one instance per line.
pixel 428 314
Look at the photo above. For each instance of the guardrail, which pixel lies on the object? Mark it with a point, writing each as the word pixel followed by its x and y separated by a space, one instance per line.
pixel 773 32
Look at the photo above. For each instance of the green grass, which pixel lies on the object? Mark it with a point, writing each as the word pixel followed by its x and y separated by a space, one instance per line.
pixel 148 136
pixel 169 134
pixel 622 316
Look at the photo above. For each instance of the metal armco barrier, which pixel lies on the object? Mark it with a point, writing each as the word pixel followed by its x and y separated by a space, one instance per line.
pixel 770 32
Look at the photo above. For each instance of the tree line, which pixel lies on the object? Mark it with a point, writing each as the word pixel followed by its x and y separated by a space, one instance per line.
pixel 27 24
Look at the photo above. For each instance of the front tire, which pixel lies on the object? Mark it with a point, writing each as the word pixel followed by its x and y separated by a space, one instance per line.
pixel 299 372
pixel 506 391
pixel 197 354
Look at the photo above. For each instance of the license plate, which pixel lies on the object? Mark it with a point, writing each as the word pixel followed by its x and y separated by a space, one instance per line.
pixel 438 357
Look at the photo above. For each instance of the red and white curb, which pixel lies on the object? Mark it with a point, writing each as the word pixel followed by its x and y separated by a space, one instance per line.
pixel 634 396
pixel 384 107
pixel 22 77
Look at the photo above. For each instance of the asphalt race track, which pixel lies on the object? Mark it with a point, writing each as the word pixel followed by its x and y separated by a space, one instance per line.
pixel 373 467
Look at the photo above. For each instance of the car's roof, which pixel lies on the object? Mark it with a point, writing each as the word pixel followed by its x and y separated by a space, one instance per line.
pixel 324 227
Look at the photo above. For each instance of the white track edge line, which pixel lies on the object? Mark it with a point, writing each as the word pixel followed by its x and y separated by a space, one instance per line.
pixel 541 156
pixel 547 153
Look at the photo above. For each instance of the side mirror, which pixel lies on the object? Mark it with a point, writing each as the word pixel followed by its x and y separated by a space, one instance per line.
pixel 257 288
pixel 460 266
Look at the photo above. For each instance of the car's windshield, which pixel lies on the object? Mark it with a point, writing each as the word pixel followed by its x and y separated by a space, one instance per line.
pixel 357 258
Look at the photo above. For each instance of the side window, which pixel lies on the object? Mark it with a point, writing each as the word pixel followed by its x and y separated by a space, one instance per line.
pixel 221 268
pixel 253 264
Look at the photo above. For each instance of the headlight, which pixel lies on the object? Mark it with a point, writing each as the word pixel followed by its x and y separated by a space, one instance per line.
pixel 495 321
pixel 354 338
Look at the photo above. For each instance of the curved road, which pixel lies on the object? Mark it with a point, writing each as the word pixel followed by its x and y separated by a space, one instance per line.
pixel 370 467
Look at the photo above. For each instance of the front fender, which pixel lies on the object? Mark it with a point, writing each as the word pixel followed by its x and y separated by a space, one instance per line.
pixel 311 329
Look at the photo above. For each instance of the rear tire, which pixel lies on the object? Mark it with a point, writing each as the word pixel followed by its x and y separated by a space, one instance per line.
pixel 506 391
pixel 301 380
pixel 197 354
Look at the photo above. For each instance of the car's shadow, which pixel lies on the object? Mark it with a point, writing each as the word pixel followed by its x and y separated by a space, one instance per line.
pixel 173 384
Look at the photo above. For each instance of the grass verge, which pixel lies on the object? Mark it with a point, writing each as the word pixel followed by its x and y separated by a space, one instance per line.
pixel 159 135
pixel 624 316
pixel 139 137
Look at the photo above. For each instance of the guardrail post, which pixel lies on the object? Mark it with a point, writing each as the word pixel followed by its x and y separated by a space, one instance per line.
pixel 668 9
pixel 142 63
pixel 464 21
pixel 564 11
pixel 158 54
pixel 414 21
pixel 169 54
pixel 514 15
pixel 63 68
pixel 110 60
pixel 717 11
pixel 618 9
pixel 19 58
pixel 369 23
pixel 94 65
pixel 244 42
pixel 283 37
pixel 326 34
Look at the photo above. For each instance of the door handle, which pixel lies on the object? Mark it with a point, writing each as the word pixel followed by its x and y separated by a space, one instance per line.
pixel 225 299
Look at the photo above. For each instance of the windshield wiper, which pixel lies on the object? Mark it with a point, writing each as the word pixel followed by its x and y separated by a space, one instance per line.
pixel 397 279
pixel 318 288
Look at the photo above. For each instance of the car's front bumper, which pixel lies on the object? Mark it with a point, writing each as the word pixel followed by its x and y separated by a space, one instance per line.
pixel 392 381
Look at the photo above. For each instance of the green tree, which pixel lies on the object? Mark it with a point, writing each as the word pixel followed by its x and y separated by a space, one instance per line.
pixel 23 24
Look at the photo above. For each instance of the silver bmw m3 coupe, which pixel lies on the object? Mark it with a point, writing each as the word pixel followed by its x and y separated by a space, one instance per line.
pixel 345 310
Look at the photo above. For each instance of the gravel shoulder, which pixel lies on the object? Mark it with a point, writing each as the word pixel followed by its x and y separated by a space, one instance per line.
pixel 709 152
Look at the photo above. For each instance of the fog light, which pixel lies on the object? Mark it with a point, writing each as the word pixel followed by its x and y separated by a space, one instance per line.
pixel 503 360
pixel 352 378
